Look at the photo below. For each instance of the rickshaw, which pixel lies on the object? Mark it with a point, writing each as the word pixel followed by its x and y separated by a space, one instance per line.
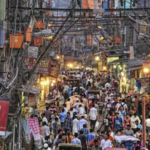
pixel 68 146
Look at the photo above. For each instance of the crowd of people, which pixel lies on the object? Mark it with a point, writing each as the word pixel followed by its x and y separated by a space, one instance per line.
pixel 75 116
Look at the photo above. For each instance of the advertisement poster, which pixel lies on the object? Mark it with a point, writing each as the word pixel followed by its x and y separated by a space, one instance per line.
pixel 4 108
pixel 43 66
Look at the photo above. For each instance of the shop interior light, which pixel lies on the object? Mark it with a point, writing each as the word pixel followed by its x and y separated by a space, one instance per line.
pixel 42 82
pixel 52 84
pixel 114 66
pixel 124 78
pixel 120 68
pixel 54 81
pixel 97 58
pixel 146 70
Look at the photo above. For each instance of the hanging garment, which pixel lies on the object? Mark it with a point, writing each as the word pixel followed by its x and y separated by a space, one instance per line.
pixel 34 124
pixel 27 137
pixel 25 126
pixel 36 136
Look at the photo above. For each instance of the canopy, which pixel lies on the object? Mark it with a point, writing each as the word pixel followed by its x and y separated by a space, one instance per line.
pixel 121 138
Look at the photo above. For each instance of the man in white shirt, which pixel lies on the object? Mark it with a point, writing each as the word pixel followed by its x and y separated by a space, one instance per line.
pixel 81 109
pixel 106 143
pixel 44 119
pixel 107 85
pixel 118 105
pixel 93 116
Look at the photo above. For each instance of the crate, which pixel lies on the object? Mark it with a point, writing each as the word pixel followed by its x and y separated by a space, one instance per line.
pixel 28 35
pixel 38 41
pixel 39 24
pixel 15 41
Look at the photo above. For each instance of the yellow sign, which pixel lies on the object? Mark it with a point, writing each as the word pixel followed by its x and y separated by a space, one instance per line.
pixel 143 28
pixel 111 59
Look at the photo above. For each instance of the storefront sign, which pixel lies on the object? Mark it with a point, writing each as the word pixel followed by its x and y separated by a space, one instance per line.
pixel 146 65
pixel 55 67
pixel 111 59
pixel 4 107
pixel 43 66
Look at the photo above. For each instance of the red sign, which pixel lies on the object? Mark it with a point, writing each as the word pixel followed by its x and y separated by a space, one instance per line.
pixel 146 65
pixel 42 67
pixel 4 107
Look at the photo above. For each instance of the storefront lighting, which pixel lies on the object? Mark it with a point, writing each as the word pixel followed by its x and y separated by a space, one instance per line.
pixel 58 57
pixel 146 70
pixel 120 68
pixel 53 81
pixel 49 25
pixel 52 84
pixel 42 82
pixel 77 67
pixel 99 27
pixel 122 73
pixel 104 68
pixel 97 58
pixel 70 65
pixel 124 78
pixel 101 38
pixel 115 66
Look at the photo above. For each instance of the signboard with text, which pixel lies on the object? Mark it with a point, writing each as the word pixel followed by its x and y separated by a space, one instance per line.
pixel 54 70
pixel 42 67
pixel 111 59
pixel 4 108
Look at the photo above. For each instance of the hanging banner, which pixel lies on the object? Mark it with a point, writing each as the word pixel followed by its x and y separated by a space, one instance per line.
pixel 4 107
pixel 43 66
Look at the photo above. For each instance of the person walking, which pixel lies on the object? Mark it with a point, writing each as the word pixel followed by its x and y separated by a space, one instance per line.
pixel 83 140
pixel 68 123
pixel 75 125
pixel 76 140
pixel 93 116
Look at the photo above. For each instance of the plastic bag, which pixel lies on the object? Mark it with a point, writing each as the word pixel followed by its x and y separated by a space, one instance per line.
pixel 97 124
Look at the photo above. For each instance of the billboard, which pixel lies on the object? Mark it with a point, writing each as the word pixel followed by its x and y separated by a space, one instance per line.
pixel 4 108
pixel 43 66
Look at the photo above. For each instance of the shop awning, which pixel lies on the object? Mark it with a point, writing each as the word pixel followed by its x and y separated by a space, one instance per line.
pixel 121 60
pixel 86 51
pixel 134 68
pixel 30 89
